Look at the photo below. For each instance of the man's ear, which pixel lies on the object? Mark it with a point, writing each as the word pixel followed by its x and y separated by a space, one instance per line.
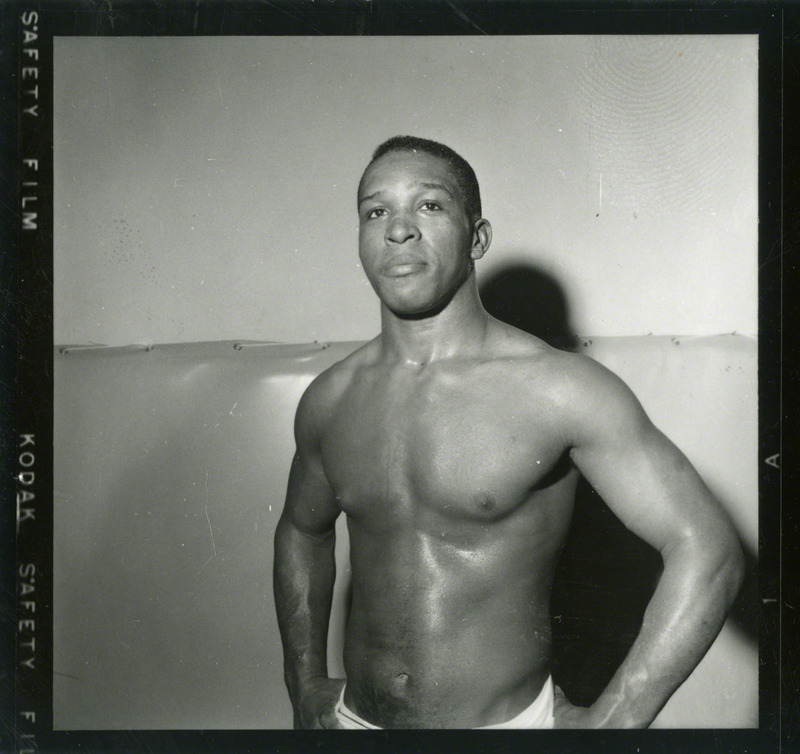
pixel 481 238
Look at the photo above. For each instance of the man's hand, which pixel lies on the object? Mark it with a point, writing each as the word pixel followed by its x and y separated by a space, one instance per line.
pixel 567 715
pixel 315 709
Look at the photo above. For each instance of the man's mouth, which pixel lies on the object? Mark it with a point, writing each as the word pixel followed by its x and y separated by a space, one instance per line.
pixel 403 266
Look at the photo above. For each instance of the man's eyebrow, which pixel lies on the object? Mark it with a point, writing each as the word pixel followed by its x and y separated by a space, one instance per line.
pixel 425 185
pixel 373 195
pixel 439 186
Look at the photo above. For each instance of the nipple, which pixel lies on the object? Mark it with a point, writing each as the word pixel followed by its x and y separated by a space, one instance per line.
pixel 486 502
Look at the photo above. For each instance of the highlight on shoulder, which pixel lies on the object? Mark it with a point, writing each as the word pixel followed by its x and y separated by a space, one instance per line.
pixel 328 386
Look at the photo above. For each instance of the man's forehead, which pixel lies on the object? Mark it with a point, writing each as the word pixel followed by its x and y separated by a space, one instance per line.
pixel 414 167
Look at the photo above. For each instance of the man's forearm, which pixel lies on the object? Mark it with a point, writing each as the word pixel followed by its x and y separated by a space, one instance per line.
pixel 683 618
pixel 304 574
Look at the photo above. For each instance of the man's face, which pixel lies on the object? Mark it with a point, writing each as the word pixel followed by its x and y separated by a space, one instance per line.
pixel 415 237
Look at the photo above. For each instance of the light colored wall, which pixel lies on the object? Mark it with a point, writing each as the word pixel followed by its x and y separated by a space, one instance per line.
pixel 204 187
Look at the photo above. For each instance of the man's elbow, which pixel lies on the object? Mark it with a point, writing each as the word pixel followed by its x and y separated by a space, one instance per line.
pixel 728 569
pixel 737 568
pixel 715 559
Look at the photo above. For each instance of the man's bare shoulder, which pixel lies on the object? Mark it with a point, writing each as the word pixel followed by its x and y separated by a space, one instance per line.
pixel 576 386
pixel 326 389
pixel 531 356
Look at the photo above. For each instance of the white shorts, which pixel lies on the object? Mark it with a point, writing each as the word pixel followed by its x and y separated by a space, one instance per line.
pixel 536 716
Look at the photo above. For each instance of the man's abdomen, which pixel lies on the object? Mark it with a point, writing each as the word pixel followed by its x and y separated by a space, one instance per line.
pixel 441 636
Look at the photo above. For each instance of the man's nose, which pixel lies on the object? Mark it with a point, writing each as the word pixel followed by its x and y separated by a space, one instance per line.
pixel 401 229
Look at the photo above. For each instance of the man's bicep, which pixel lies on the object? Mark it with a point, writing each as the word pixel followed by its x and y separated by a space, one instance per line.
pixel 310 502
pixel 642 476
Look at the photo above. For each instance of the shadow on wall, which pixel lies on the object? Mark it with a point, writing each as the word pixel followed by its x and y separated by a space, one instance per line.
pixel 605 575
pixel 530 299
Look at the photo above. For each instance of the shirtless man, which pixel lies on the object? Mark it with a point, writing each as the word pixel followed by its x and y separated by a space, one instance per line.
pixel 453 443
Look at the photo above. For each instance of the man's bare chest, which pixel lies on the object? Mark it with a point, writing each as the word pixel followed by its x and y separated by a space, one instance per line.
pixel 457 447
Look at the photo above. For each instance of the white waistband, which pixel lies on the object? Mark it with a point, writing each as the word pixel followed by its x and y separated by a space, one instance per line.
pixel 537 715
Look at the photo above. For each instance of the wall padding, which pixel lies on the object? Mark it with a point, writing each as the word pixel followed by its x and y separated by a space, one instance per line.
pixel 170 472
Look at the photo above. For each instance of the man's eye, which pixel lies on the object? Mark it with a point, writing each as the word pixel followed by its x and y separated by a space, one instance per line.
pixel 430 206
pixel 377 212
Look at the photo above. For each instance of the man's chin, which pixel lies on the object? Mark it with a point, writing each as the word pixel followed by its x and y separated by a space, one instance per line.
pixel 415 310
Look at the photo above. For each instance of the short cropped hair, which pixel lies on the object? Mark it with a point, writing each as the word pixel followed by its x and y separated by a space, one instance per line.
pixel 462 171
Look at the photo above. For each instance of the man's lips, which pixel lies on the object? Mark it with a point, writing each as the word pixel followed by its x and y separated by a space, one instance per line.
pixel 403 266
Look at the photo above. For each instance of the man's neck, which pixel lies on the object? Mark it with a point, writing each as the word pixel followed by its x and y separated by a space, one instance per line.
pixel 459 329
